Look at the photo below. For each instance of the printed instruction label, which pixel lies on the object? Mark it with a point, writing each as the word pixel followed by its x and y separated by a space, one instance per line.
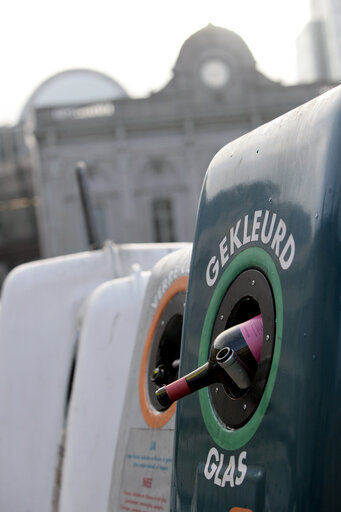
pixel 147 471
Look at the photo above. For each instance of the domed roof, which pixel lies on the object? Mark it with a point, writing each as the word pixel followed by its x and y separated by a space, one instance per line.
pixel 72 87
pixel 218 38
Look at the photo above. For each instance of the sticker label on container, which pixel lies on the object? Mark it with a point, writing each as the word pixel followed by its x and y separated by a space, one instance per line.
pixel 147 470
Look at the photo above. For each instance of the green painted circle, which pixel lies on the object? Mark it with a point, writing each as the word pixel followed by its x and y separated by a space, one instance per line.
pixel 250 258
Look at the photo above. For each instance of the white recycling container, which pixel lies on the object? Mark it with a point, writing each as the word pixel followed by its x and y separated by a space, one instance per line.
pixel 105 347
pixel 41 309
pixel 142 464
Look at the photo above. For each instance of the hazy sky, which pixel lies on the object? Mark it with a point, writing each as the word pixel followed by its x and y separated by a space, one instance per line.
pixel 135 42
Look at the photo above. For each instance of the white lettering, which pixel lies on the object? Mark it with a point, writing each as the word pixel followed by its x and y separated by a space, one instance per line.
pixel 217 480
pixel 229 473
pixel 173 274
pixel 223 251
pixel 256 225
pixel 279 236
pixel 266 238
pixel 210 467
pixel 246 237
pixel 213 265
pixel 170 275
pixel 263 229
pixel 214 464
pixel 289 246
pixel 242 468
pixel 234 240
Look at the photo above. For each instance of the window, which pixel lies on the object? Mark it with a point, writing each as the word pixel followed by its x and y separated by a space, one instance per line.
pixel 163 220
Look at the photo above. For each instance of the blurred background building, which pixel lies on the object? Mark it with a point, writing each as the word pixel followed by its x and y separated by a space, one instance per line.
pixel 319 45
pixel 18 226
pixel 146 157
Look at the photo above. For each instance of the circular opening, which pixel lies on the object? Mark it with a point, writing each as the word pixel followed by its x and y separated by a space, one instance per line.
pixel 221 432
pixel 245 309
pixel 163 367
pixel 223 355
pixel 248 296
pixel 162 345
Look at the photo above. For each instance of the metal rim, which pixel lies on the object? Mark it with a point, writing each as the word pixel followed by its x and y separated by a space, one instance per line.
pixel 250 258
pixel 251 289
pixel 153 417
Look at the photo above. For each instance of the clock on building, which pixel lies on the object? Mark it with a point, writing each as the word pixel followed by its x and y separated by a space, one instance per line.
pixel 214 73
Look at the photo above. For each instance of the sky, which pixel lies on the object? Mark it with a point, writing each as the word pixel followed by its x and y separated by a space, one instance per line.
pixel 135 42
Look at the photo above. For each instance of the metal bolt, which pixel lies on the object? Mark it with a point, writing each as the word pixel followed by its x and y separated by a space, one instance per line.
pixel 267 337
pixel 162 322
pixel 216 390
pixel 244 407
pixel 253 282
pixel 221 317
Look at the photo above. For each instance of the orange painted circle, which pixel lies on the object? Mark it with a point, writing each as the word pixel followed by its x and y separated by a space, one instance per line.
pixel 238 509
pixel 154 418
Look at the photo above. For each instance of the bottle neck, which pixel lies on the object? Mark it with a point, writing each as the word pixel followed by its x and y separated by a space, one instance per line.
pixel 231 362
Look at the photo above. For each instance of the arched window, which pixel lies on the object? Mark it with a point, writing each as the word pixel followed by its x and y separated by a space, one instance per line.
pixel 163 221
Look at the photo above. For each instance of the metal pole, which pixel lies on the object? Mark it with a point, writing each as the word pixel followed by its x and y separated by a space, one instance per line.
pixel 88 211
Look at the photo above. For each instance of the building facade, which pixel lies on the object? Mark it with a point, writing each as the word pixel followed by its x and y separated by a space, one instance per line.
pixel 146 157
pixel 18 226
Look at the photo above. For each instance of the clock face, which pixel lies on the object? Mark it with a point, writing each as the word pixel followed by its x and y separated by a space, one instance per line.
pixel 215 73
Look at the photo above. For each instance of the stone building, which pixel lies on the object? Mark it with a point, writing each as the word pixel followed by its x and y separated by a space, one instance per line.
pixel 18 228
pixel 146 157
